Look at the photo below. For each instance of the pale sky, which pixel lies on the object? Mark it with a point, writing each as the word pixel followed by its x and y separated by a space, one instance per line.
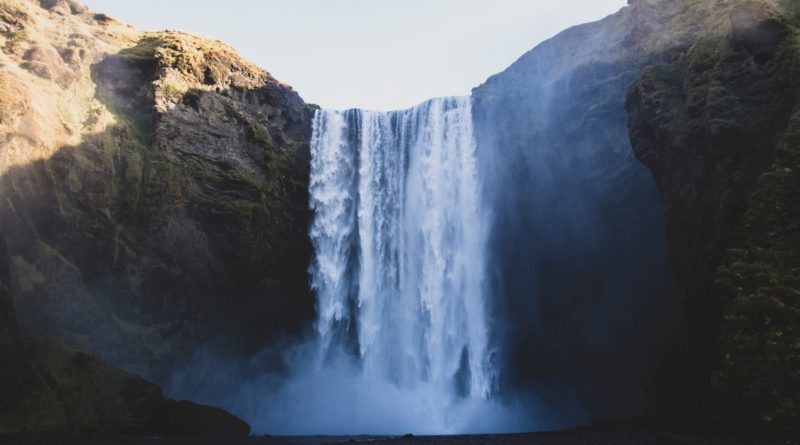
pixel 374 54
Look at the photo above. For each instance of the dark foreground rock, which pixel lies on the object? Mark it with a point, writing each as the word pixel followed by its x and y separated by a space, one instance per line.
pixel 47 386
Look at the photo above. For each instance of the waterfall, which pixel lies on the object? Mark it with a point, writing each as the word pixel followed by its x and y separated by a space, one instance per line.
pixel 399 247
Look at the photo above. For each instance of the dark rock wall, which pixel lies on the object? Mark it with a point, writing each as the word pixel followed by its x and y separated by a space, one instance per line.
pixel 48 386
pixel 585 287
pixel 8 318
pixel 586 306
pixel 718 128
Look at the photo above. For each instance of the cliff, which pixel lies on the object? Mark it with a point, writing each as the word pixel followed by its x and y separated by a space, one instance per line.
pixel 589 306
pixel 717 126
pixel 154 189
pixel 154 202
pixel 703 94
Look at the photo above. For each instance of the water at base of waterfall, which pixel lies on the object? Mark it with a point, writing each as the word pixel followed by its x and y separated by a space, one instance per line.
pixel 399 264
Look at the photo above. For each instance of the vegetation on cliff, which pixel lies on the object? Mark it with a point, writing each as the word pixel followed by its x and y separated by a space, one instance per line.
pixel 154 203
pixel 46 386
pixel 711 114
pixel 154 189
pixel 716 124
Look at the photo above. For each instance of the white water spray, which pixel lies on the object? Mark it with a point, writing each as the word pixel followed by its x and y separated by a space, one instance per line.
pixel 399 265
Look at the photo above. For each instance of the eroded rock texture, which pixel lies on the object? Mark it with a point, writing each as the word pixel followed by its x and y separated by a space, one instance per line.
pixel 154 189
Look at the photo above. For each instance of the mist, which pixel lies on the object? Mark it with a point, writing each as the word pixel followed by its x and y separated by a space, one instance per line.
pixel 580 304
pixel 335 398
pixel 585 306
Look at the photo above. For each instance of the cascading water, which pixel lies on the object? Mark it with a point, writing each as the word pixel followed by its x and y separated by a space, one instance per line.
pixel 399 240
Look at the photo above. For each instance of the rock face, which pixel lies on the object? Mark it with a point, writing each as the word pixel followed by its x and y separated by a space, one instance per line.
pixel 47 386
pixel 8 318
pixel 154 198
pixel 711 113
pixel 588 305
pixel 717 125
pixel 154 189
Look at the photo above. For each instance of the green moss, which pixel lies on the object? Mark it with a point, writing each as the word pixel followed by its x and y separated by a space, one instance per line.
pixel 759 377
pixel 254 130
pixel 260 135
pixel 60 388
pixel 171 91
pixel 145 49
pixel 50 255
pixel 133 128
pixel 14 39
pixel 133 167
pixel 169 50
pixel 27 276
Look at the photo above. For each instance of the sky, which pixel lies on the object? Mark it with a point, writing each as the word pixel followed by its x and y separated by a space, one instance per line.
pixel 372 54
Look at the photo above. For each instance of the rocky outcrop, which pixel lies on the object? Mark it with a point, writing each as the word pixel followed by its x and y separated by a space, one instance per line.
pixel 717 126
pixel 47 386
pixel 154 189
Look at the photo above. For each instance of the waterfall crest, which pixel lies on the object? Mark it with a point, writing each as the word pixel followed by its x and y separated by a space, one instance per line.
pixel 399 247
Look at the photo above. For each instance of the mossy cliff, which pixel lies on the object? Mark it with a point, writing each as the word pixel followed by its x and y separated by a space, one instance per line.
pixel 48 386
pixel 717 124
pixel 154 189
pixel 704 94
pixel 153 202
